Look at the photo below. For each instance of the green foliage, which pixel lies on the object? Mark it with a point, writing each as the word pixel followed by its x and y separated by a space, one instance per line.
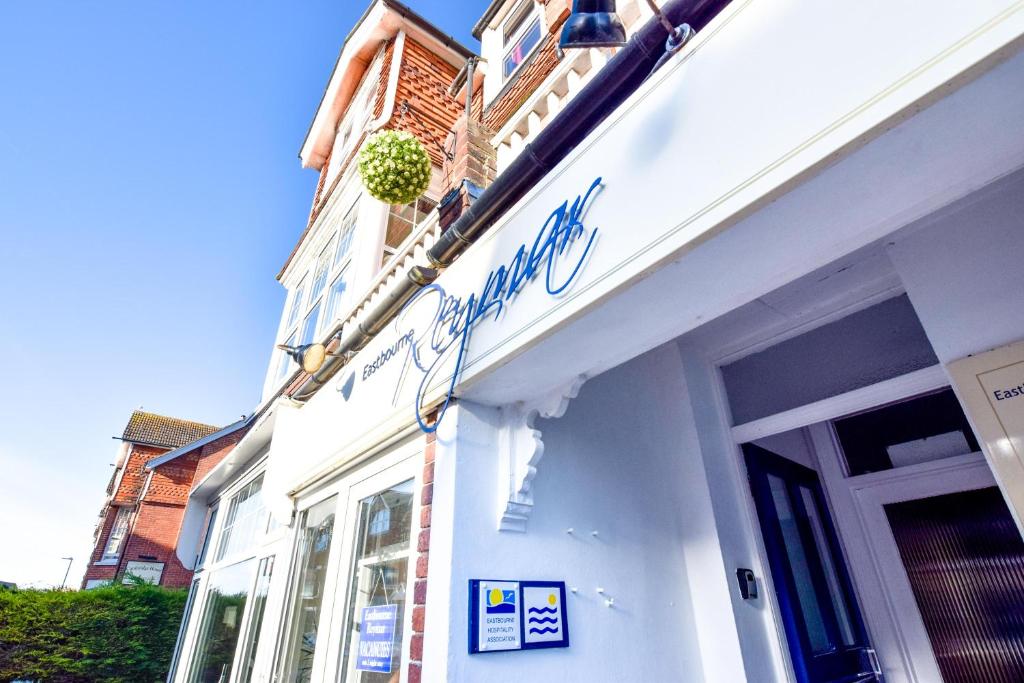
pixel 394 167
pixel 115 634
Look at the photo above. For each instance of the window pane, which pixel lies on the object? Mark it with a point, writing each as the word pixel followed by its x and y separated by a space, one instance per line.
pixel 297 300
pixel 336 298
pixel 522 48
pixel 211 522
pixel 117 533
pixel 348 225
pixel 226 595
pixel 246 516
pixel 516 20
pixel 315 534
pixel 189 603
pixel 259 603
pixel 797 555
pixel 309 326
pixel 918 430
pixel 379 577
pixel 323 266
pixel 286 364
pixel 835 590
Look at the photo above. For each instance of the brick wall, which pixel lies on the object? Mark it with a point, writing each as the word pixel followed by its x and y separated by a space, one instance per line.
pixel 153 538
pixel 419 593
pixel 423 82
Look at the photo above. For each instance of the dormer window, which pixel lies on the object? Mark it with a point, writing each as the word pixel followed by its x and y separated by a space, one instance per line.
pixel 520 34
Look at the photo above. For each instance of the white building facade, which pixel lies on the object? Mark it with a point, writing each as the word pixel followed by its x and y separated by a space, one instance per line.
pixel 741 371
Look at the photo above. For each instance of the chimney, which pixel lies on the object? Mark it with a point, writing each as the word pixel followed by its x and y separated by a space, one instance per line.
pixel 471 168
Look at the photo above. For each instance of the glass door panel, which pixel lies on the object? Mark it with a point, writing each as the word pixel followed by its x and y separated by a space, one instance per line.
pixel 824 629
pixel 316 531
pixel 379 577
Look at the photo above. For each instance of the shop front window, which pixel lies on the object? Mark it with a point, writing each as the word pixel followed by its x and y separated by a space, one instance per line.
pixel 226 595
pixel 247 660
pixel 375 614
pixel 316 531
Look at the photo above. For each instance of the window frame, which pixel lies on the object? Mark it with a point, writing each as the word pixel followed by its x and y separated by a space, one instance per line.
pixel 392 466
pixel 264 545
pixel 108 557
pixel 388 252
pixel 527 12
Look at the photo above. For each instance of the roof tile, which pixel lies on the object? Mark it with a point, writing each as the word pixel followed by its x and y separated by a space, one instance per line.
pixel 159 430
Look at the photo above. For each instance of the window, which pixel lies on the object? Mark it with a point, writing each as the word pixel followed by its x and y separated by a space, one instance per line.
pixel 521 34
pixel 297 301
pixel 252 634
pixel 245 518
pixel 323 267
pixel 118 531
pixel 919 430
pixel 347 230
pixel 189 602
pixel 379 575
pixel 316 531
pixel 309 326
pixel 211 522
pixel 337 295
pixel 226 596
pixel 402 219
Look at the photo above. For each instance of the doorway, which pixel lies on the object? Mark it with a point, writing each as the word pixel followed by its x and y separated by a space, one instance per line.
pixel 923 546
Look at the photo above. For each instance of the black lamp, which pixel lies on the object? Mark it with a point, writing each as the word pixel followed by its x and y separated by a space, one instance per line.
pixel 309 357
pixel 593 23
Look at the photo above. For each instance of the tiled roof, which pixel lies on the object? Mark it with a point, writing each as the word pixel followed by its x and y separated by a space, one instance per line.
pixel 160 430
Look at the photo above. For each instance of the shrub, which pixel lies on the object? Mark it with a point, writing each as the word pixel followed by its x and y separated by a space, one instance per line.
pixel 116 634
pixel 394 167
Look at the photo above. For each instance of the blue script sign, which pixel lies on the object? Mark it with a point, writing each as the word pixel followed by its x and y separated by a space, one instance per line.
pixel 377 638
pixel 556 256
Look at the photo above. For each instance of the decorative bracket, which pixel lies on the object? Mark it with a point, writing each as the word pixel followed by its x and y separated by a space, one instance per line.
pixel 520 449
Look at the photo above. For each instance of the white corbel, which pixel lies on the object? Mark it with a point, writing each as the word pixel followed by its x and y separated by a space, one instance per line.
pixel 520 448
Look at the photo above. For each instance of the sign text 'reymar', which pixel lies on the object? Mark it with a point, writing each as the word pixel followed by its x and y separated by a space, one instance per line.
pixel 433 330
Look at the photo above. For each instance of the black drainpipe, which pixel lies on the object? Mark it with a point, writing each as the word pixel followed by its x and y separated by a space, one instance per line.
pixel 608 89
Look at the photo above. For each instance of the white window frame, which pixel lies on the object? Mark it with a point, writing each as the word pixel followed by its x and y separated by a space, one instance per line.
pixel 388 253
pixel 533 16
pixel 109 557
pixel 401 463
pixel 264 545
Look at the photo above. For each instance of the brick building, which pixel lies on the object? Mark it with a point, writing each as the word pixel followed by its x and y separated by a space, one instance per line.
pixel 159 459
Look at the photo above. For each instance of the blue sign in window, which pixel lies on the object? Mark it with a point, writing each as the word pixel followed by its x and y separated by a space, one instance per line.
pixel 377 638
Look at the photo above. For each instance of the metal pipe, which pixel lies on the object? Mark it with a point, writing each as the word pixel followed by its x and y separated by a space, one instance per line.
pixel 470 65
pixel 609 88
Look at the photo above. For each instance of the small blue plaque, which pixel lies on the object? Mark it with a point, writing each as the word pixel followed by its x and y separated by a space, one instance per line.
pixel 509 615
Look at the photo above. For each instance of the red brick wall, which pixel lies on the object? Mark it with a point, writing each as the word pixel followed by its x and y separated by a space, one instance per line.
pixel 135 473
pixel 524 82
pixel 419 593
pixel 423 82
pixel 155 535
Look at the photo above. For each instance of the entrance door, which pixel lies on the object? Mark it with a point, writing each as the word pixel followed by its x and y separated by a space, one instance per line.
pixel 826 635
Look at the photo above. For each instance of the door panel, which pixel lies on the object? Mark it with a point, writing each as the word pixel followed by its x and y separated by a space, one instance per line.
pixel 965 561
pixel 827 640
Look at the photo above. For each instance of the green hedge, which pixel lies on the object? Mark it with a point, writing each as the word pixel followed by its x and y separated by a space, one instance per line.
pixel 114 634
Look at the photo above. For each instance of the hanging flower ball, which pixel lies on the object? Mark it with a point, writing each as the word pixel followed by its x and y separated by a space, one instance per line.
pixel 394 167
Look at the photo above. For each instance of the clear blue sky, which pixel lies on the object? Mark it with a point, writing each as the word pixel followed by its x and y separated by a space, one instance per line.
pixel 149 192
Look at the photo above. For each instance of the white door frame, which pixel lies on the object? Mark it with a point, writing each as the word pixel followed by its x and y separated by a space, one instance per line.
pixel 883 590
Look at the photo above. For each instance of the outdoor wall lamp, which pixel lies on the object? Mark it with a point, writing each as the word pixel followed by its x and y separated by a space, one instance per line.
pixel 594 23
pixel 309 357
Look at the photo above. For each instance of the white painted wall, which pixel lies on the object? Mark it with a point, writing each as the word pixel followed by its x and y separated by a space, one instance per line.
pixel 964 271
pixel 624 461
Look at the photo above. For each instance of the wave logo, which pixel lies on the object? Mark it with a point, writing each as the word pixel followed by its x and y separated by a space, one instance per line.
pixel 501 601
pixel 544 619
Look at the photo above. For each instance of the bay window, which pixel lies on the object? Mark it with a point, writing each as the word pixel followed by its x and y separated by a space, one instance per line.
pixel 402 220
